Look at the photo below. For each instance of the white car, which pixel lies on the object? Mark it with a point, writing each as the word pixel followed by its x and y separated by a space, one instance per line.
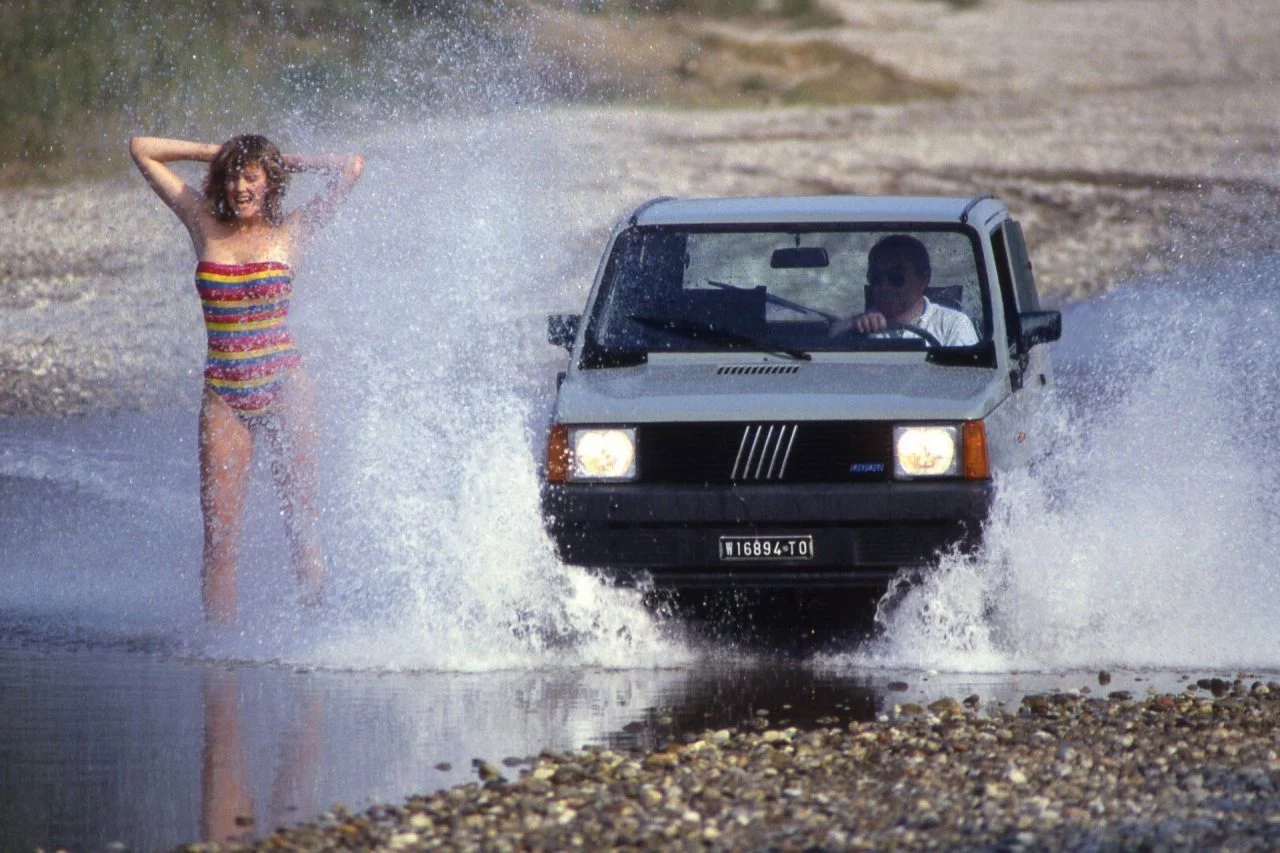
pixel 793 392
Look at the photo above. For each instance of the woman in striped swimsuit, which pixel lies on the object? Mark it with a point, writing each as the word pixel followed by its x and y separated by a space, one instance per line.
pixel 255 383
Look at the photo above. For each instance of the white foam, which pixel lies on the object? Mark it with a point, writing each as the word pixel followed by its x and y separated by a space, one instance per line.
pixel 1147 537
pixel 421 314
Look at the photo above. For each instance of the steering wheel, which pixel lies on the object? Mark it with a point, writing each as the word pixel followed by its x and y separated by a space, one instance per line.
pixel 924 335
pixel 915 330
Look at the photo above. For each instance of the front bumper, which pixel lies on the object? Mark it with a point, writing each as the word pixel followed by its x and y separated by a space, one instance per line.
pixel 861 533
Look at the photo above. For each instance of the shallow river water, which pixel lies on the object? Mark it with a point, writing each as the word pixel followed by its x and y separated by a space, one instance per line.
pixel 133 746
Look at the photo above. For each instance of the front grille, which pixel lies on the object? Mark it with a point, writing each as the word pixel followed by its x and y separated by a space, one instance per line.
pixel 805 452
pixel 761 445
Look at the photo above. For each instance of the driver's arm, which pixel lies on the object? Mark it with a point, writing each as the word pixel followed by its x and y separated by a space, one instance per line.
pixel 871 321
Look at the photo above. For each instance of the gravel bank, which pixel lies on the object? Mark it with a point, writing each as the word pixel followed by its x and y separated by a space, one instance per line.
pixel 94 311
pixel 1196 770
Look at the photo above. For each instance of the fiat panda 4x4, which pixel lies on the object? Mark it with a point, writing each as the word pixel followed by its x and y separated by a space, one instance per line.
pixel 793 392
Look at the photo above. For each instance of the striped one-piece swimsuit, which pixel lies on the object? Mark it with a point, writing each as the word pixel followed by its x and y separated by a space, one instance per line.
pixel 251 353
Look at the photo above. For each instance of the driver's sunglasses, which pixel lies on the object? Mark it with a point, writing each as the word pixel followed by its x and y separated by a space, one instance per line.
pixel 892 276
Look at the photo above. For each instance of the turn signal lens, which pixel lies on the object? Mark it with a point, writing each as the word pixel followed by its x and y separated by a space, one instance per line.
pixel 977 466
pixel 558 459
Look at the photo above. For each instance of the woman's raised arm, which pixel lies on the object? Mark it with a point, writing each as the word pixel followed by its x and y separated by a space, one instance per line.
pixel 153 156
pixel 318 212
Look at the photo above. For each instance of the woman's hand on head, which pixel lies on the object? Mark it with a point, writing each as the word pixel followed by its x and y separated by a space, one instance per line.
pixel 341 163
pixel 355 166
pixel 319 212
pixel 153 154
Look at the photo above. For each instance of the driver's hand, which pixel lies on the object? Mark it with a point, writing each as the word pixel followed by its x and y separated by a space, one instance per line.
pixel 865 324
pixel 872 321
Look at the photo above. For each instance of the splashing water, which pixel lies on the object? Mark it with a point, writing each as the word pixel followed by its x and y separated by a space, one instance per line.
pixel 421 313
pixel 1147 535
pixel 432 295
pixel 443 274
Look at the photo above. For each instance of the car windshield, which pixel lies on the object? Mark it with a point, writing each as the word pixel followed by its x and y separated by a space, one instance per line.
pixel 787 292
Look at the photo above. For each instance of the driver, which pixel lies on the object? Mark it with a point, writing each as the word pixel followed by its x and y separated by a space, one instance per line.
pixel 898 272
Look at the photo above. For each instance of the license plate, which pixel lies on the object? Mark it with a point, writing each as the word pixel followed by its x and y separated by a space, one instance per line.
pixel 766 547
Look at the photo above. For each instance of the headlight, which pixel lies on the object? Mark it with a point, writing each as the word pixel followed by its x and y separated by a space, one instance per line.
pixel 925 451
pixel 602 454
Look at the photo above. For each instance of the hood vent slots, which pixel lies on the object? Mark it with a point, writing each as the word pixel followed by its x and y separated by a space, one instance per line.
pixel 757 369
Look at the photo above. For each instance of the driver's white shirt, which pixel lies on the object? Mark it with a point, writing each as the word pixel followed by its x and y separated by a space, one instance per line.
pixel 952 328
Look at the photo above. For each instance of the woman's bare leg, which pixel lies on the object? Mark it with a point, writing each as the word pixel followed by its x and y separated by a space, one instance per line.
pixel 226 449
pixel 292 433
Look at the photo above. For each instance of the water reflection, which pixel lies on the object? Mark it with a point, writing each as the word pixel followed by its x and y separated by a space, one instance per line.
pixel 227 809
pixel 748 694
pixel 104 745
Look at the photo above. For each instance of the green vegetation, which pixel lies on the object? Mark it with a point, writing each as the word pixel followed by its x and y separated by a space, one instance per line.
pixel 77 78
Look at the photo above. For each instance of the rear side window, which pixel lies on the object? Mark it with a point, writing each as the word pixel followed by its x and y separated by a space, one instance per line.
pixel 1019 265
pixel 1017 280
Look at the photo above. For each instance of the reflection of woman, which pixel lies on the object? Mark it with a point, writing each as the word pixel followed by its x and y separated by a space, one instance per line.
pixel 255 383
pixel 227 811
pixel 226 796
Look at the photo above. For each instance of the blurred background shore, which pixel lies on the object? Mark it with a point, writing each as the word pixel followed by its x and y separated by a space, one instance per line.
pixel 1129 136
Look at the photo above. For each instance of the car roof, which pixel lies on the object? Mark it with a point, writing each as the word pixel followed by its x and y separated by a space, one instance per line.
pixel 762 210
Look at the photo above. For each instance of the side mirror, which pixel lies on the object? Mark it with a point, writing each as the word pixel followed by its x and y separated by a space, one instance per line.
pixel 562 329
pixel 1039 327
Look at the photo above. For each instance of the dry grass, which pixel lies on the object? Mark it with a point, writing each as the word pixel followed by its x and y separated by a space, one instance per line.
pixel 681 60
pixel 792 71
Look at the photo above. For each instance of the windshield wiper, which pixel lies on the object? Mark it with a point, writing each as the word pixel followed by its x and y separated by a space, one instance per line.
pixel 705 331
pixel 778 300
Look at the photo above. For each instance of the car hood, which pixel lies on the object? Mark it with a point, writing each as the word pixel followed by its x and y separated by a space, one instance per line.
pixel 775 391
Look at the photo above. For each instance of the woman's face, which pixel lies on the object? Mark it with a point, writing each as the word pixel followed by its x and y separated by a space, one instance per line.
pixel 247 192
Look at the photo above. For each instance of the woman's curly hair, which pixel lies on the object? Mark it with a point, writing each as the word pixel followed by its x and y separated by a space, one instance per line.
pixel 237 154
